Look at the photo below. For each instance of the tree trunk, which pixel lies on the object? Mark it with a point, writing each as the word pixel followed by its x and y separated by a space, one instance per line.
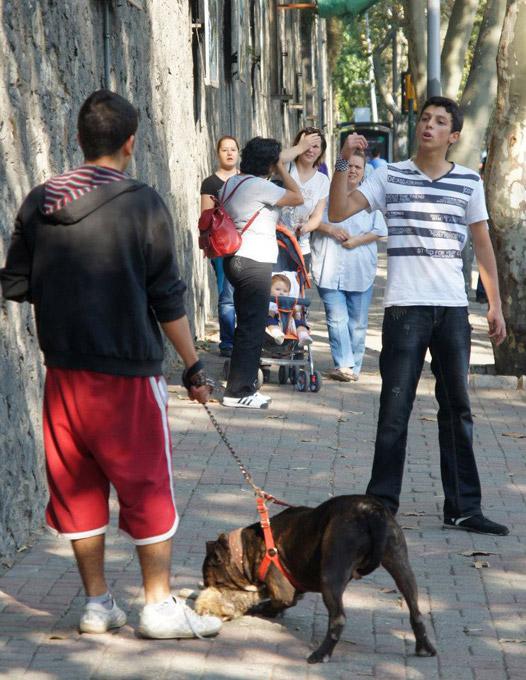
pixel 416 32
pixel 455 45
pixel 478 101
pixel 506 187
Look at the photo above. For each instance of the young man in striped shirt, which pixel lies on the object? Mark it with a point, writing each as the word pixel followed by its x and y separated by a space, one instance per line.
pixel 429 203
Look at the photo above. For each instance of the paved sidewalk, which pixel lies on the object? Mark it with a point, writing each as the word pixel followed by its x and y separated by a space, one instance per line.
pixel 305 448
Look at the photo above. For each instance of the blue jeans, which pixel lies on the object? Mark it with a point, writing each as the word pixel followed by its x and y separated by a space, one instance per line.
pixel 347 313
pixel 225 306
pixel 406 335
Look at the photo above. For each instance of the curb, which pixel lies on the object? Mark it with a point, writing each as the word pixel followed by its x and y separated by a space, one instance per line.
pixel 507 382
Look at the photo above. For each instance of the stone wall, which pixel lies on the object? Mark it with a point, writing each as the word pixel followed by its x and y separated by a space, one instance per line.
pixel 52 58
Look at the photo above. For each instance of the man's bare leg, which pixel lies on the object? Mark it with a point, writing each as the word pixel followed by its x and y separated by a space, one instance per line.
pixel 155 560
pixel 89 553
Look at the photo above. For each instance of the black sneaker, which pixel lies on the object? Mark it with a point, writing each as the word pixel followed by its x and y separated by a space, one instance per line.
pixel 478 524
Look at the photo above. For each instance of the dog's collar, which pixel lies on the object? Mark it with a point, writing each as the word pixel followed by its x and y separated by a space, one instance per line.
pixel 271 552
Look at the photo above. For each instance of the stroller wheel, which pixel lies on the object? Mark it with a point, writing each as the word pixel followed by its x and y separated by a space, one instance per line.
pixel 283 375
pixel 315 381
pixel 266 375
pixel 301 383
pixel 293 375
pixel 226 369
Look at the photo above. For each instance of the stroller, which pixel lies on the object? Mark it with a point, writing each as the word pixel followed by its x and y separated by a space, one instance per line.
pixel 296 364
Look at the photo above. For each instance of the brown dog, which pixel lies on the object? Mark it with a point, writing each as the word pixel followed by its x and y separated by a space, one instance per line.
pixel 322 549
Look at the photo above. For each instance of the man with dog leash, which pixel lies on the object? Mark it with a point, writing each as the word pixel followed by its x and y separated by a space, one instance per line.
pixel 428 203
pixel 93 251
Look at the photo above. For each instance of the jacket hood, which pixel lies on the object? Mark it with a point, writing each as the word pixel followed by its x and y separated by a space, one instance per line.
pixel 86 204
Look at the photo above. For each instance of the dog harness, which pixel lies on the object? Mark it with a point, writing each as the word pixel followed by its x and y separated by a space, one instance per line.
pixel 271 552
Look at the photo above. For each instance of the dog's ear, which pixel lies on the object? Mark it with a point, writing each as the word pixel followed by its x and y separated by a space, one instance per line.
pixel 210 547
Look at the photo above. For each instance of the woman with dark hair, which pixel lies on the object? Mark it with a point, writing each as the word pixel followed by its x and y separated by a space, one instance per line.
pixel 254 204
pixel 314 187
pixel 227 150
pixel 344 267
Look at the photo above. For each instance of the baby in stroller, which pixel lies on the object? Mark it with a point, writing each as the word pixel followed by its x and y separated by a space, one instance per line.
pixel 286 319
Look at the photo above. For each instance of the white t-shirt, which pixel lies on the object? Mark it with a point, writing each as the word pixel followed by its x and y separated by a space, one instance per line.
pixel 259 240
pixel 313 190
pixel 427 223
pixel 339 268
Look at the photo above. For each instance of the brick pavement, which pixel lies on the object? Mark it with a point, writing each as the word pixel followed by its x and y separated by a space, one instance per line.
pixel 307 447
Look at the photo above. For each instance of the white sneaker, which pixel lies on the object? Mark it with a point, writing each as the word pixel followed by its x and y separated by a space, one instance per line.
pixel 97 619
pixel 276 333
pixel 256 400
pixel 175 619
pixel 304 339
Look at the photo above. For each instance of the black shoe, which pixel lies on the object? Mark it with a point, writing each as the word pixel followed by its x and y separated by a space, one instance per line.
pixel 477 524
pixel 225 351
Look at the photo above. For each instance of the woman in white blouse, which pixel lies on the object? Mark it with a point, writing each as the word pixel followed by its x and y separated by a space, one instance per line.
pixel 343 267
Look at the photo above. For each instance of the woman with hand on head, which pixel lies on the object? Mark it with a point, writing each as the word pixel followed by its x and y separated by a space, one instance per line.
pixel 227 150
pixel 309 147
pixel 343 267
pixel 253 202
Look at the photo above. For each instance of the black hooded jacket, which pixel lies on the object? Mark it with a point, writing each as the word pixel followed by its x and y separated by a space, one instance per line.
pixel 101 273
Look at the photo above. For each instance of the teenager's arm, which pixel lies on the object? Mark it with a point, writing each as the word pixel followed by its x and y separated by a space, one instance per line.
pixel 15 276
pixel 343 204
pixel 179 334
pixel 488 274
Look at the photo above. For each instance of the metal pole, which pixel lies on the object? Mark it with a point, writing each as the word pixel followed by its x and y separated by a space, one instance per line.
pixel 106 43
pixel 320 68
pixel 374 107
pixel 434 87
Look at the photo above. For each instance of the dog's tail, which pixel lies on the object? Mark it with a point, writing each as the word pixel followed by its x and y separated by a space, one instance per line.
pixel 378 532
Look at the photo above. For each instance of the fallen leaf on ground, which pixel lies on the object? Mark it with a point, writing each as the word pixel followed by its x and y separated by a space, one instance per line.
pixel 356 413
pixel 280 416
pixel 388 590
pixel 408 527
pixel 428 418
pixel 515 435
pixel 518 641
pixel 334 448
pixel 480 564
pixel 476 553
pixel 416 513
pixel 341 419
pixel 472 631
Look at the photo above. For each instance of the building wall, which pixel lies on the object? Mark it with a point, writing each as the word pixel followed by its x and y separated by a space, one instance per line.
pixel 52 58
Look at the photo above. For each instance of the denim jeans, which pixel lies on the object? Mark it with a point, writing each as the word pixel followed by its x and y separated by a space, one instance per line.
pixel 347 313
pixel 406 335
pixel 251 281
pixel 225 306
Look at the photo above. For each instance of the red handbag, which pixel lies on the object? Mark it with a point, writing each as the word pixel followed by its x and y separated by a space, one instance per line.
pixel 218 235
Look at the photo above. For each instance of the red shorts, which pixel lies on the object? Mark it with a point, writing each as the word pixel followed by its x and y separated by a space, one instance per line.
pixel 101 429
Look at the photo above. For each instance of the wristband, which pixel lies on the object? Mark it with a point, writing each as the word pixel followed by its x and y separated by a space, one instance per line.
pixel 189 372
pixel 341 165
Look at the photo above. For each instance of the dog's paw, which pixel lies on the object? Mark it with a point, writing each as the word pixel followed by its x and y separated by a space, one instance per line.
pixel 425 648
pixel 317 657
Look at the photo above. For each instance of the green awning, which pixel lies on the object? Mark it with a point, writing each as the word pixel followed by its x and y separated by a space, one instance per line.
pixel 338 8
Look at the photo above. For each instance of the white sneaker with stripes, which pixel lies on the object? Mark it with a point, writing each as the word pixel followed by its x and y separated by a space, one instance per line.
pixel 256 400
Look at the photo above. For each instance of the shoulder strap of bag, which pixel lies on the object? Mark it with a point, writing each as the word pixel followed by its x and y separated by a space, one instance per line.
pixel 227 198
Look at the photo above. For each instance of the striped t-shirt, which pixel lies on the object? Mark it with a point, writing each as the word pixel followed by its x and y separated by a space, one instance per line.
pixel 427 222
pixel 71 185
